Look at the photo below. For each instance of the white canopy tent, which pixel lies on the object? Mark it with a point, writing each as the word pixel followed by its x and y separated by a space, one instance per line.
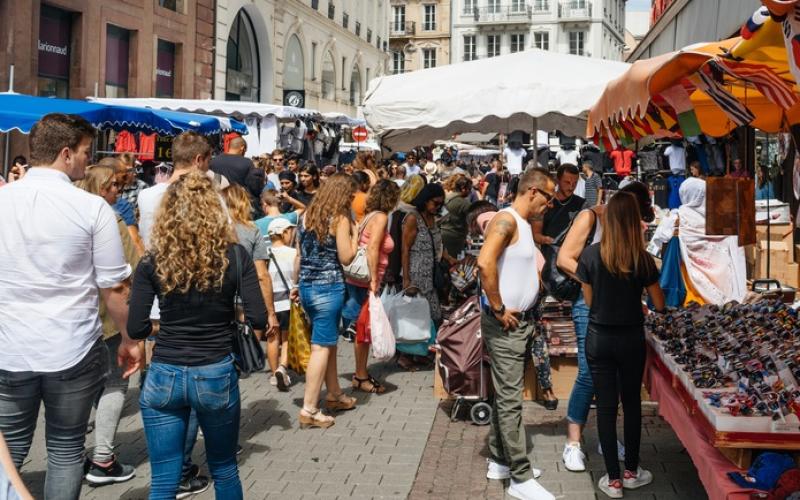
pixel 529 90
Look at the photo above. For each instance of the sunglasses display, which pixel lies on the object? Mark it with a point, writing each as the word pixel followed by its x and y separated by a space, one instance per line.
pixel 736 360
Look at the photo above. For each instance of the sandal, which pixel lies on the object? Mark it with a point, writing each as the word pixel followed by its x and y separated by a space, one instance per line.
pixel 315 419
pixel 405 363
pixel 341 403
pixel 374 386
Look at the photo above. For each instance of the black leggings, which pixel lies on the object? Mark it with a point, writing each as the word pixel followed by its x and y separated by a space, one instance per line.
pixel 616 357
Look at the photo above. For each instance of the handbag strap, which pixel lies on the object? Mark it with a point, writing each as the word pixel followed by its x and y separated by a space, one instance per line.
pixel 280 273
pixel 237 297
pixel 559 240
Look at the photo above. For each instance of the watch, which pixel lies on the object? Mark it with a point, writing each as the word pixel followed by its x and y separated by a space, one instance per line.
pixel 501 310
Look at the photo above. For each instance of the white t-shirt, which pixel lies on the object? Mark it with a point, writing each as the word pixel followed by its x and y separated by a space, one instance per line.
pixel 58 246
pixel 411 169
pixel 284 258
pixel 514 159
pixel 677 159
pixel 563 156
pixel 149 200
pixel 580 188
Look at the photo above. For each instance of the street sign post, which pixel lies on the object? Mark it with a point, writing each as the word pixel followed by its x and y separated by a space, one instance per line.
pixel 360 135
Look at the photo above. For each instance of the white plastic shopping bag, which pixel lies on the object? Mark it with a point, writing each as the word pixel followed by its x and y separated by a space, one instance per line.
pixel 381 330
pixel 410 318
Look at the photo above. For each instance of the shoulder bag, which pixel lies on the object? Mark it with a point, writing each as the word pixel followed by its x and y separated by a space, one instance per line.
pixel 358 269
pixel 247 350
pixel 557 283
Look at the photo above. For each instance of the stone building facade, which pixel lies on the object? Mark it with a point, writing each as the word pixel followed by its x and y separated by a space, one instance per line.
pixel 419 35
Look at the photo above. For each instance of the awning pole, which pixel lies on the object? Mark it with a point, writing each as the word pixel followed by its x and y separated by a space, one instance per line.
pixel 7 154
pixel 11 78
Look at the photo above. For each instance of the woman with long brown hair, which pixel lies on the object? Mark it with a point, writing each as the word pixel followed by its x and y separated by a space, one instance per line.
pixel 194 266
pixel 613 274
pixel 327 240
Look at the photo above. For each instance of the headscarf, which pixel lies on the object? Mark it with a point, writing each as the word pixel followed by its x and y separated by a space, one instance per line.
pixel 411 188
pixel 715 265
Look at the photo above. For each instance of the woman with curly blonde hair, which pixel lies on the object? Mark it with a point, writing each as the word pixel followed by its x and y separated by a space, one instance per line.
pixel 327 240
pixel 194 267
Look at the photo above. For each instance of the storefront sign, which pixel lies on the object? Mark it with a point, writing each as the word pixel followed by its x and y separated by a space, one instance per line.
pixel 53 42
pixel 163 150
pixel 296 98
pixel 165 69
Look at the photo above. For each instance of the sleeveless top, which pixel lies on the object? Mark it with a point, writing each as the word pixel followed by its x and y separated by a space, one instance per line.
pixel 319 261
pixel 516 268
pixel 598 229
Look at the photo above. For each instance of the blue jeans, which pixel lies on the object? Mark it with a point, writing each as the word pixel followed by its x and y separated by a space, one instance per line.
pixel 169 395
pixel 356 296
pixel 68 396
pixel 323 302
pixel 583 391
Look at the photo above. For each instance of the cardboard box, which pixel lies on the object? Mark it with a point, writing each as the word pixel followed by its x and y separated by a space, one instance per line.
pixel 783 232
pixel 782 266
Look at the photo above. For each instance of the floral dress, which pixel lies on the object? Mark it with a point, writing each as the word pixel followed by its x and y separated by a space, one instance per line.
pixel 425 253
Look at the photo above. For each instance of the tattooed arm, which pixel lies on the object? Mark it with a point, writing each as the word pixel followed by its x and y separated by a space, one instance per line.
pixel 499 235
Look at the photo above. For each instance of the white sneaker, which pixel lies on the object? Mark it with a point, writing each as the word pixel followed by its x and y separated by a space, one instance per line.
pixel 620 451
pixel 529 490
pixel 612 490
pixel 499 471
pixel 273 380
pixel 638 479
pixel 574 458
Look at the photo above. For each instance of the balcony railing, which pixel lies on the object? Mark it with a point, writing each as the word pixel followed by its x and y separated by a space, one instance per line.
pixel 503 14
pixel 575 10
pixel 540 9
pixel 403 29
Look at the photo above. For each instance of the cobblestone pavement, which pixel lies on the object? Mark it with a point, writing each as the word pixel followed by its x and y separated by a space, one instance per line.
pixel 372 451
pixel 454 463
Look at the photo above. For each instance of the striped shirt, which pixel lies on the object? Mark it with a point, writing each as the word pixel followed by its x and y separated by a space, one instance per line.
pixel 593 185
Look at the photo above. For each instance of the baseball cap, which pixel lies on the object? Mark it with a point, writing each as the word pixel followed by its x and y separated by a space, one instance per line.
pixel 765 471
pixel 278 226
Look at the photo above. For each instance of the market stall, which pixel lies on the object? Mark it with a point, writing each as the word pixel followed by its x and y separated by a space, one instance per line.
pixel 529 90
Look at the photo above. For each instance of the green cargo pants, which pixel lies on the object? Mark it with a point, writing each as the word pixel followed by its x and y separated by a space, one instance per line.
pixel 507 351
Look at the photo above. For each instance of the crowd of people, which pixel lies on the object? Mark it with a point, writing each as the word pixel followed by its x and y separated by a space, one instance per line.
pixel 98 268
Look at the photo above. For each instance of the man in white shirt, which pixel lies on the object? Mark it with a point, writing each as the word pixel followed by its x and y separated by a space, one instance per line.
pixel 60 251
pixel 411 165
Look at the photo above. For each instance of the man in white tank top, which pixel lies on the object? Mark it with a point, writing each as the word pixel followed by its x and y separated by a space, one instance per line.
pixel 510 282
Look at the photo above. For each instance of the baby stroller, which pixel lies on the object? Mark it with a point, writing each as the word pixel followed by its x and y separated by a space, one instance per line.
pixel 463 365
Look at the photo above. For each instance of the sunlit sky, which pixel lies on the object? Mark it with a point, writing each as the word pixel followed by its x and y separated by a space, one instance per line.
pixel 637 5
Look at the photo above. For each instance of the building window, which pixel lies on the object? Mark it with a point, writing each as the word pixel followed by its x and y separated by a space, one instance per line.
pixel 576 42
pixel 469 6
pixel 541 40
pixel 517 42
pixel 345 20
pixel 470 54
pixel 493 6
pixel 358 28
pixel 428 58
pixel 313 60
pixel 429 23
pixel 242 76
pixel 369 36
pixel 315 4
pixel 331 10
pixel 55 34
pixel 398 62
pixel 344 65
pixel 328 77
pixel 117 63
pixel 378 42
pixel 355 87
pixel 492 45
pixel 165 69
pixel 173 5
pixel 399 18
pixel 541 5
pixel 517 5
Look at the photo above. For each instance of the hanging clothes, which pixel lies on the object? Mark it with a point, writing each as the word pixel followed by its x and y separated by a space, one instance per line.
pixel 147 147
pixel 671 280
pixel 674 200
pixel 125 143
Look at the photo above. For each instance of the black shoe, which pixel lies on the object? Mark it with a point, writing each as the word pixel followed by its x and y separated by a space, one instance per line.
pixel 239 450
pixel 192 485
pixel 350 334
pixel 551 404
pixel 113 473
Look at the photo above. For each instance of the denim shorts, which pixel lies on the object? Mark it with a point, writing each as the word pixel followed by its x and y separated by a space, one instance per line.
pixel 323 303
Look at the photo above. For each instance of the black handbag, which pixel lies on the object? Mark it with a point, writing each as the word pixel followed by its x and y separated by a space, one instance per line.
pixel 248 353
pixel 557 283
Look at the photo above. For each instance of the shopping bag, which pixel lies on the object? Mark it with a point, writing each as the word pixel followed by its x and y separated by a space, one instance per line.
pixel 410 318
pixel 382 346
pixel 299 339
pixel 363 335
